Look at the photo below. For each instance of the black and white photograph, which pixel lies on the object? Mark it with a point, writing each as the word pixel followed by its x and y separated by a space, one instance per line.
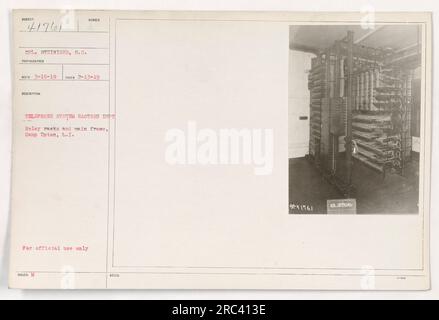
pixel 355 118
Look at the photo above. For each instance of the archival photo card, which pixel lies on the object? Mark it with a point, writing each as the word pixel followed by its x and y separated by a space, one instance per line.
pixel 220 150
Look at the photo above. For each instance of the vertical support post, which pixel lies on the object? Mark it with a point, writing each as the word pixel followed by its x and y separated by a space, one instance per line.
pixel 325 115
pixel 337 79
pixel 350 67
pixel 337 70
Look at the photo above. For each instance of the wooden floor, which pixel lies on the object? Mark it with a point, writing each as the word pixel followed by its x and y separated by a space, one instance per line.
pixel 395 194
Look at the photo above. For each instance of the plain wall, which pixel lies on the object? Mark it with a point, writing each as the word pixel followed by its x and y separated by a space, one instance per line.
pixel 298 103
